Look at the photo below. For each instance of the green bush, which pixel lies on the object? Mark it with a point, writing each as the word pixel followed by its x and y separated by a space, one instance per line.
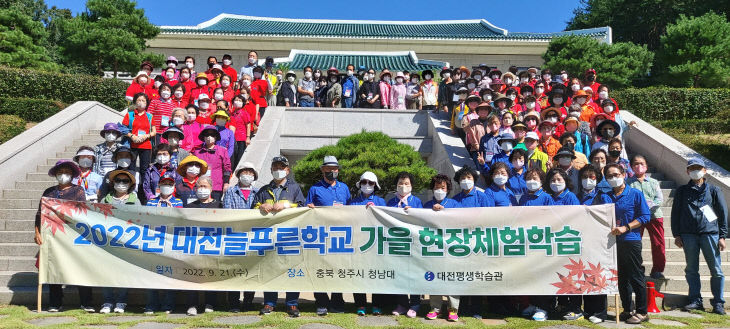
pixel 714 148
pixel 30 109
pixel 366 151
pixel 10 126
pixel 652 104
pixel 65 88
pixel 695 126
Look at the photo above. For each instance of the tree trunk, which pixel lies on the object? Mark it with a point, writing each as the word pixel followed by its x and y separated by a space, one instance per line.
pixel 116 65
pixel 98 67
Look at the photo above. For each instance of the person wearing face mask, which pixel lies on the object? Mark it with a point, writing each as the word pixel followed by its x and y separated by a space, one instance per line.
pixel 546 76
pixel 201 88
pixel 384 89
pixel 227 139
pixel 104 152
pixel 552 115
pixel 187 80
pixel 140 84
pixel 217 158
pixel 350 84
pixel 287 95
pixel 252 61
pixel 535 196
pixel 228 68
pixel 557 99
pixel 590 81
pixel 226 89
pixel 564 160
pixel 616 155
pixel 178 98
pixel 189 64
pixel 598 159
pixel 508 78
pixel 367 186
pixel 632 212
pixel 333 96
pixel 369 92
pixel 215 75
pixel 325 193
pixel 160 167
pixel 446 90
pixel 169 74
pixel 548 144
pixel 279 194
pixel 508 118
pixel 275 80
pixel 535 157
pixel 172 64
pixel 306 87
pixel 161 110
pixel 320 94
pixel 174 136
pixel 516 181
pixel 89 180
pixel 497 179
pixel 589 175
pixel 241 121
pixel 190 169
pixel 475 126
pixel 514 105
pixel 486 95
pixel 179 116
pixel 212 61
pixel 259 90
pixel 122 159
pixel 191 128
pixel 606 130
pixel 502 103
pixel 489 143
pixel 506 144
pixel 461 109
pixel 63 171
pixel 519 130
pixel 206 110
pixel 429 91
pixel 559 183
pixel 654 199
pixel 581 98
pixel 413 92
pixel 581 140
pixel 699 222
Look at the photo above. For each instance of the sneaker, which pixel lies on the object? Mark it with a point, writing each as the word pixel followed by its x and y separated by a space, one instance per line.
pixel 148 311
pixel 572 316
pixel 54 309
pixel 119 308
pixel 266 310
pixel 106 308
pixel 594 319
pixel 399 310
pixel 540 314
pixel 377 311
pixel 719 308
pixel 234 310
pixel 321 311
pixel 638 318
pixel 168 311
pixel 453 316
pixel 361 311
pixel 192 311
pixel 209 308
pixel 411 313
pixel 433 315
pixel 529 311
pixel 657 276
pixel 696 305
pixel 293 311
pixel 88 309
pixel 477 316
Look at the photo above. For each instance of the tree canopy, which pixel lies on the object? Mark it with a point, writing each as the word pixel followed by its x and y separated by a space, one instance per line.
pixel 19 46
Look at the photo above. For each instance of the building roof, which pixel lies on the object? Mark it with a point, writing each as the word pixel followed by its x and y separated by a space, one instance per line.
pixel 476 29
pixel 394 61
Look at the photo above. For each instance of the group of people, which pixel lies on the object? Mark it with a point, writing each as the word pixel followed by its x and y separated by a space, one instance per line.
pixel 535 140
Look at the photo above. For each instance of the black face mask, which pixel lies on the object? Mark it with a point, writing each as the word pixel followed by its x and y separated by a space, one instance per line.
pixel 210 65
pixel 569 145
pixel 591 78
pixel 614 153
pixel 331 175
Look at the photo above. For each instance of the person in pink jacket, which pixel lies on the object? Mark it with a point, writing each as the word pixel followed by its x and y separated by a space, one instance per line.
pixel 384 86
pixel 191 129
pixel 398 93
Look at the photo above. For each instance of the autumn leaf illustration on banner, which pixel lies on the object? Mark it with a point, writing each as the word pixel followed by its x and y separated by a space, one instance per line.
pixel 104 208
pixel 584 278
pixel 55 211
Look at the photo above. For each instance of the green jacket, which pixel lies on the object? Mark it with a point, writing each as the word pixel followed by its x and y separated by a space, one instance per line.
pixel 133 200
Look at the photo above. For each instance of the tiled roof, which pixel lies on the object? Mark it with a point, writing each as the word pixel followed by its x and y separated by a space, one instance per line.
pixel 227 24
pixel 394 61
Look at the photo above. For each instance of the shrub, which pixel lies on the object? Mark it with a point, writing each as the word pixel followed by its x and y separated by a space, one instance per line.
pixel 10 126
pixel 65 88
pixel 30 109
pixel 653 104
pixel 366 151
pixel 695 126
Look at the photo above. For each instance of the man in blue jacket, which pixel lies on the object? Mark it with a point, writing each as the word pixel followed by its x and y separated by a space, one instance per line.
pixel 349 87
pixel 699 222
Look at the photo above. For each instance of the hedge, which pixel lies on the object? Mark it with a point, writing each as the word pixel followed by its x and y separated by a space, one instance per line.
pixel 65 88
pixel 10 126
pixel 30 109
pixel 661 103
pixel 707 126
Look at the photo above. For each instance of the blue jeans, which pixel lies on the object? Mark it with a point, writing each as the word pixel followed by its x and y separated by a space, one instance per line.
pixel 303 103
pixel 111 298
pixel 153 300
pixel 348 102
pixel 708 243
pixel 292 298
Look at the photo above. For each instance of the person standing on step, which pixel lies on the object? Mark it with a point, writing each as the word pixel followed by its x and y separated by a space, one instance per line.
pixel 88 179
pixel 699 222
pixel 104 152
pixel 654 199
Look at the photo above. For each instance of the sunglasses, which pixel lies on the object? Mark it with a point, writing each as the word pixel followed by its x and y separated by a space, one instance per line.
pixel 125 181
pixel 367 182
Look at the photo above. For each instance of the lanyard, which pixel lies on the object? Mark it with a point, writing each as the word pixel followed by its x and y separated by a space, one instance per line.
pixel 84 181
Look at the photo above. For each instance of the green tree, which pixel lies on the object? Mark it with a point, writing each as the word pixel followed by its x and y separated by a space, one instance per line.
pixel 19 41
pixel 366 151
pixel 618 64
pixel 696 52
pixel 110 34
pixel 640 21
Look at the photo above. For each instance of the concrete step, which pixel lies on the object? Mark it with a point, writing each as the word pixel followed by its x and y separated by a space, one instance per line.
pixel 44 168
pixel 18 214
pixel 18 279
pixel 679 283
pixel 19 203
pixel 676 255
pixel 17 263
pixel 656 175
pixel 21 194
pixel 35 185
pixel 25 225
pixel 18 249
pixel 66 154
pixel 17 236
pixel 667 184
pixel 676 268
pixel 666 192
pixel 39 177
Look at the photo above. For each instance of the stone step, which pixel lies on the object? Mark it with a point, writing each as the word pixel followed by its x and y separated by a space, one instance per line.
pixel 667 184
pixel 676 255
pixel 679 283
pixel 656 175
pixel 44 168
pixel 21 194
pixel 34 185
pixel 17 263
pixel 19 203
pixel 676 268
pixel 18 249
pixel 17 236
pixel 667 193
pixel 39 177
pixel 25 225
pixel 53 160
pixel 18 278
pixel 18 214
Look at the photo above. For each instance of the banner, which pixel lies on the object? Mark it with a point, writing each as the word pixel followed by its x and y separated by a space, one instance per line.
pixel 469 251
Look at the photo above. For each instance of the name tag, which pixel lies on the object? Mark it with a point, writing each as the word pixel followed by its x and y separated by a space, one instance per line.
pixel 348 92
pixel 141 133
pixel 191 200
pixel 401 99
pixel 370 95
pixel 337 203
pixel 709 213
pixel 455 98
pixel 165 121
pixel 488 156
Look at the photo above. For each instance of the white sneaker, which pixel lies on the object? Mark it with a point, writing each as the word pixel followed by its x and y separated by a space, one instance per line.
pixel 540 315
pixel 106 308
pixel 148 312
pixel 120 308
pixel 54 309
pixel 88 309
pixel 594 319
pixel 529 311
pixel 192 311
pixel 209 308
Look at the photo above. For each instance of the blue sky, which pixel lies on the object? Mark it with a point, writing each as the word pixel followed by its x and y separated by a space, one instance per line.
pixel 515 16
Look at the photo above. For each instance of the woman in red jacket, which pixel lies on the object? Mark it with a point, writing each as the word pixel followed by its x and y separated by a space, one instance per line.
pixel 201 88
pixel 186 79
pixel 140 84
pixel 259 90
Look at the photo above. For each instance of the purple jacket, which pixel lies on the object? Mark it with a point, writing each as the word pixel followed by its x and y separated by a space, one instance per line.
pixel 219 164
pixel 152 178
pixel 228 140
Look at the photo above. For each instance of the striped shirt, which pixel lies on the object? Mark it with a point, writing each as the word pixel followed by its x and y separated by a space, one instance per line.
pixel 161 114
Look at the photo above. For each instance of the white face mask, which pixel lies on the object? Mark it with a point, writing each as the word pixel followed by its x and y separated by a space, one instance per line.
pixel 173 141
pixel 527 93
pixel 290 79
pixel 189 65
pixel 696 174
pixel 142 81
pixel 615 182
pixel 404 189
pixel 553 119
pixel 210 140
pixel 163 159
pixel 439 194
pixel 532 185
pixel 85 163
pixel 191 116
pixel 524 80
pixel 172 65
pixel 546 77
pixel 565 77
pixel 608 109
pixel 557 187
pixel 218 96
pixel 367 189
pixel 487 97
pixel 575 87
pixel 165 94
pixel 365 77
pixel 506 147
pixel 238 104
pixel 226 62
pixel 414 81
pixel 257 75
pixel 202 82
pixel 179 94
pixel 447 75
pixel 530 105
pixel 581 100
pixel 124 162
pixel 477 77
pixel 204 105
pixel 350 73
pixel 170 75
pixel 245 179
pixel 202 193
pixel 63 179
pixel 466 184
pixel 166 190
pixel 225 83
pixel 565 161
pixel 279 174
pixel 251 60
pixel 399 80
pixel 574 114
pixel 158 84
pixel 512 97
pixel 539 91
pixel 471 86
pixel 193 170
pixel 427 77
pixel 246 83
pixel 558 100
pixel 177 121
pixel 603 95
pixel 308 75
pixel 500 180
pixel 518 164
pixel 588 184
pixel 110 137
pixel 121 187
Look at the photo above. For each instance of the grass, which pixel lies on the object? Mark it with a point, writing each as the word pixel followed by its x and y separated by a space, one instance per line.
pixel 16 317
pixel 715 147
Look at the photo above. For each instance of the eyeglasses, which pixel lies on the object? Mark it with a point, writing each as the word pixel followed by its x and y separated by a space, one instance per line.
pixel 367 182
pixel 125 181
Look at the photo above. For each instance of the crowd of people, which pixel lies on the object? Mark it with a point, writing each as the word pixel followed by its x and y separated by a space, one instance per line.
pixel 535 139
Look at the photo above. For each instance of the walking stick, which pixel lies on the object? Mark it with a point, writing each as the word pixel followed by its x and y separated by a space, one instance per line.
pixel 39 297
pixel 615 300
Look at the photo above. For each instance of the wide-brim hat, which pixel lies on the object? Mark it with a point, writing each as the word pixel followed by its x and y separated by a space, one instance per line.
pixel 220 113
pixel 117 172
pixel 201 75
pixel 209 128
pixel 565 151
pixel 544 113
pixel 369 175
pixel 216 67
pixel 444 70
pixel 473 98
pixel 110 127
pixel 290 72
pixel 571 119
pixel 76 171
pixel 333 69
pixel 508 75
pixel 247 165
pixel 182 166
pixel 171 130
pixel 484 105
pixel 463 69
pixel 171 59
pixel 506 137
pixel 503 97
pixel 281 159
pixel 384 72
pixel 580 93
pixel 518 124
pixel 532 113
pixel 545 123
pixel 614 124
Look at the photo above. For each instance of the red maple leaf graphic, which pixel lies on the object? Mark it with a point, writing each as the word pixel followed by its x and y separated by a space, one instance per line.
pixel 595 270
pixel 104 208
pixel 615 275
pixel 576 268
pixel 566 285
pixel 55 211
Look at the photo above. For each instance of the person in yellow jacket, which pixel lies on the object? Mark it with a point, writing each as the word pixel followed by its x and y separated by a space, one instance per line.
pixel 459 111
pixel 535 157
